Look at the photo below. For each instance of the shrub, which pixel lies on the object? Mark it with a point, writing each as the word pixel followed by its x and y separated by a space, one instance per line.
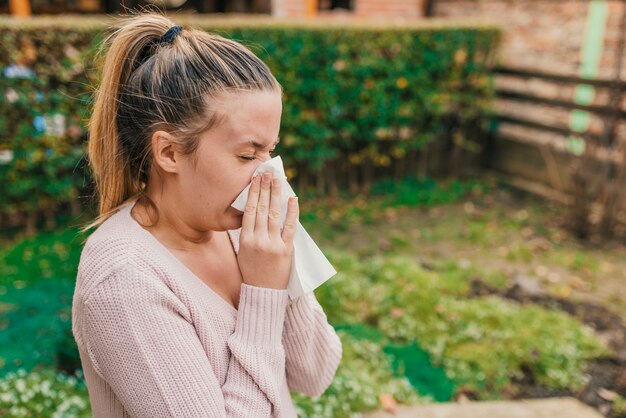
pixel 358 98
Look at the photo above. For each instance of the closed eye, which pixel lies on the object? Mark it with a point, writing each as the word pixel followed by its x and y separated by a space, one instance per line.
pixel 252 157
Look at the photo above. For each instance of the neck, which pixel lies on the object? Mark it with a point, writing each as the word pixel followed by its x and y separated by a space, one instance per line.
pixel 170 229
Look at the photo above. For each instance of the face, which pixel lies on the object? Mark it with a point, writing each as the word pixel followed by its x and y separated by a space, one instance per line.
pixel 227 156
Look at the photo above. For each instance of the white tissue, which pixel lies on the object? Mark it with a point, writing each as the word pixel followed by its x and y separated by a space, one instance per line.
pixel 309 268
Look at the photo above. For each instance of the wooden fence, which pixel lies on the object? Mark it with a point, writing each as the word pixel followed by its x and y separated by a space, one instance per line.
pixel 592 177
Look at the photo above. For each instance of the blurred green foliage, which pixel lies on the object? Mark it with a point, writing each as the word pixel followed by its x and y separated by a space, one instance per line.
pixel 354 94
pixel 48 255
pixel 386 194
pixel 413 191
pixel 43 393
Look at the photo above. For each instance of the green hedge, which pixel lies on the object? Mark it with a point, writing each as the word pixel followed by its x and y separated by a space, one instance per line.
pixel 359 97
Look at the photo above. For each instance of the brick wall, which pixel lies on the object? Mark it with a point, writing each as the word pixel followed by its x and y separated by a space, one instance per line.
pixel 541 34
pixel 288 8
pixel 382 9
pixel 389 8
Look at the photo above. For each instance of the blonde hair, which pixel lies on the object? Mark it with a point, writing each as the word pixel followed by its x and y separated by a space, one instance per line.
pixel 149 85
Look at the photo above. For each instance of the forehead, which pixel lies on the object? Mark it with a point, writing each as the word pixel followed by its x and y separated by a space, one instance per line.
pixel 248 103
pixel 251 119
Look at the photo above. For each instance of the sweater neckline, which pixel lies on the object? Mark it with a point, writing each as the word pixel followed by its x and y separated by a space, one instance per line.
pixel 128 207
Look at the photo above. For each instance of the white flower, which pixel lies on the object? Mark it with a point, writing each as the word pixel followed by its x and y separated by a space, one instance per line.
pixel 12 96
pixel 20 385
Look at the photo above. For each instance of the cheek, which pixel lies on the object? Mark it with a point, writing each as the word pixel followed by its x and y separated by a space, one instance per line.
pixel 240 180
pixel 246 171
pixel 221 178
pixel 226 181
pixel 199 181
pixel 244 178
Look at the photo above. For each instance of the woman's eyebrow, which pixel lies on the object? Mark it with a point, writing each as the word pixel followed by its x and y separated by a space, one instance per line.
pixel 258 145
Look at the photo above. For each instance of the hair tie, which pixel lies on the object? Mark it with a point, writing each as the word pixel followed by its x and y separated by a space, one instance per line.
pixel 171 33
pixel 167 37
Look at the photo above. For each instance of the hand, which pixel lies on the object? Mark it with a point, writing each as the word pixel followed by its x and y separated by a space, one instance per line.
pixel 264 255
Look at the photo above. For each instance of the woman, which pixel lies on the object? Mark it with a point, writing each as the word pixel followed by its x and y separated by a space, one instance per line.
pixel 169 319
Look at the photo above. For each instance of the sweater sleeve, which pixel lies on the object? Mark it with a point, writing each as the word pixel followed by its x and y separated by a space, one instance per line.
pixel 142 342
pixel 312 348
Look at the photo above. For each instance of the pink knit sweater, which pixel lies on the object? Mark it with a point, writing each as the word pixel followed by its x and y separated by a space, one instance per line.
pixel 156 341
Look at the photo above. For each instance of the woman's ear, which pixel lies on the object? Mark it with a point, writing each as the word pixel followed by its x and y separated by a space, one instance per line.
pixel 164 149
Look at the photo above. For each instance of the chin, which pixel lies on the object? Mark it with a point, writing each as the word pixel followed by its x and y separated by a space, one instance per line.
pixel 234 220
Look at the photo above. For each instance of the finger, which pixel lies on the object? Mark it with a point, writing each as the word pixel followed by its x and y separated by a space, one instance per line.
pixel 249 213
pixel 274 215
pixel 262 209
pixel 291 221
